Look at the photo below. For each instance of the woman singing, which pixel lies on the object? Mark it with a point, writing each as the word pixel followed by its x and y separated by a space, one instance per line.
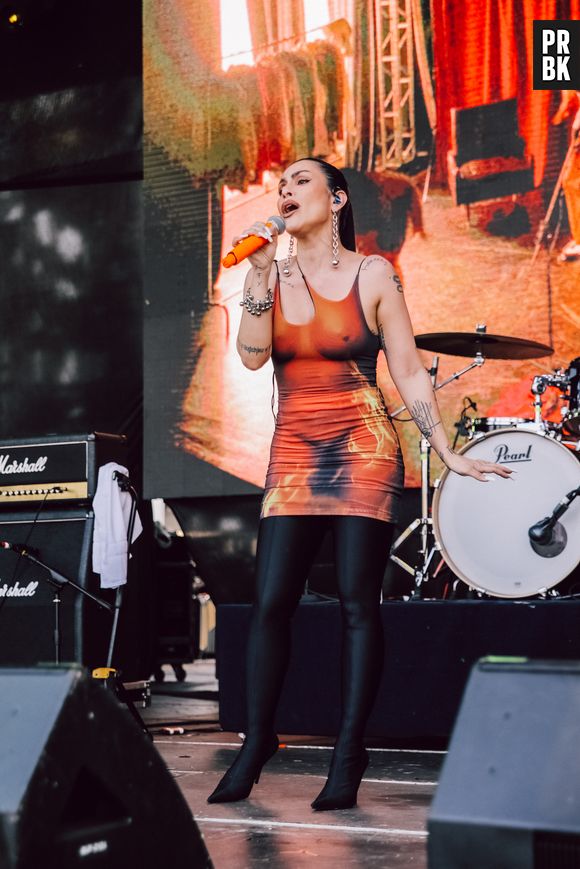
pixel 322 315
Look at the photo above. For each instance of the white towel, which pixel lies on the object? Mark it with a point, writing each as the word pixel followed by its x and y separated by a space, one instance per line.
pixel 112 509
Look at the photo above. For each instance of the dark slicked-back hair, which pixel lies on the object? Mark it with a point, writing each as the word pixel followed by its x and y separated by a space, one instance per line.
pixel 336 181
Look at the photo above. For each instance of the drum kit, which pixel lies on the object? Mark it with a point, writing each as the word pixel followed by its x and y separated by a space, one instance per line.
pixel 507 538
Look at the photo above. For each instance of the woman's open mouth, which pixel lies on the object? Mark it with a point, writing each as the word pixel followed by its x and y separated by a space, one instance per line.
pixel 289 208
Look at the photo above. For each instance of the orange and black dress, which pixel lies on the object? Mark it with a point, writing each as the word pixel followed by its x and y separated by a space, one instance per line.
pixel 335 450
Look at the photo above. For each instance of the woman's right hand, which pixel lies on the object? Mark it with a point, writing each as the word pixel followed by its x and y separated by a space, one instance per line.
pixel 264 257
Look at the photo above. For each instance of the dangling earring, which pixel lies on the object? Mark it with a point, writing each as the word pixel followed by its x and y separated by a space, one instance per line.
pixel 335 260
pixel 286 269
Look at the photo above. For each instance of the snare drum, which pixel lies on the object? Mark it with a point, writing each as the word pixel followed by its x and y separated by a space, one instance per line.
pixel 482 528
pixel 484 424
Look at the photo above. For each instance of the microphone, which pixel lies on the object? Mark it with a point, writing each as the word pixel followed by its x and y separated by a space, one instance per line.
pixel 543 531
pixel 247 246
pixel 548 537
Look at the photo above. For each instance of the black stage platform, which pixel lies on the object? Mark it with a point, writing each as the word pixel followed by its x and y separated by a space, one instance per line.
pixel 430 647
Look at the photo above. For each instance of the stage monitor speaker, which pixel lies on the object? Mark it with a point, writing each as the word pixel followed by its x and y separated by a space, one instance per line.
pixel 81 785
pixel 509 792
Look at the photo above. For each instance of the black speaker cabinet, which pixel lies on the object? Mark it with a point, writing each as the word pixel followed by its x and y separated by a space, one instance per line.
pixel 81 785
pixel 63 540
pixel 177 609
pixel 509 793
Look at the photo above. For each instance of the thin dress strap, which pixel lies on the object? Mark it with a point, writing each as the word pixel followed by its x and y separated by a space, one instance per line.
pixel 360 267
pixel 277 284
pixel 276 297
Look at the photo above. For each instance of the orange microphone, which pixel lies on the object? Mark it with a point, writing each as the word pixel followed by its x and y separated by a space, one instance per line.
pixel 247 246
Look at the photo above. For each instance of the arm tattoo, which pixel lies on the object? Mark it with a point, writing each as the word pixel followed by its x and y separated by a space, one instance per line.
pixel 256 350
pixel 373 259
pixel 379 259
pixel 397 283
pixel 423 415
pixel 442 453
pixel 382 338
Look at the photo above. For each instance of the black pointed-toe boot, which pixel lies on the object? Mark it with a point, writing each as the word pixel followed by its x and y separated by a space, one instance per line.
pixel 245 771
pixel 346 771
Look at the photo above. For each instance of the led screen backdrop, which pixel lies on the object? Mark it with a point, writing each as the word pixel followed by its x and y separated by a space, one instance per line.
pixel 234 91
pixel 70 91
pixel 70 307
pixel 71 222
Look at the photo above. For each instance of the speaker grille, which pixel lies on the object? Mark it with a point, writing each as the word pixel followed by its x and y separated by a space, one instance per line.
pixel 556 851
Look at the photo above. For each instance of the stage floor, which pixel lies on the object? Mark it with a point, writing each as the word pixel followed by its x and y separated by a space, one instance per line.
pixel 276 826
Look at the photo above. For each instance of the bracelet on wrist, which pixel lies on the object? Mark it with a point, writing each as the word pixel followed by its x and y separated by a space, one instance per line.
pixel 256 307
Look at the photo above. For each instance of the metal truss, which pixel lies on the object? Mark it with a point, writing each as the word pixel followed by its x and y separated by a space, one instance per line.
pixel 395 82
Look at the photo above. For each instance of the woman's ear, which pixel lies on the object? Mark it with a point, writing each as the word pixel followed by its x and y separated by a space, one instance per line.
pixel 339 197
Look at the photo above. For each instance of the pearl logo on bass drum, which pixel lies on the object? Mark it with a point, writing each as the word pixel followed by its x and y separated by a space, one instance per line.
pixel 503 456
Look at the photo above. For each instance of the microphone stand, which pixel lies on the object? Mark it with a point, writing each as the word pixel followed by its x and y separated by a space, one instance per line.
pixel 124 484
pixel 110 676
pixel 58 581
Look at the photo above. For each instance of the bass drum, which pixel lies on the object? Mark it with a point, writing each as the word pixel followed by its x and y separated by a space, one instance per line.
pixel 482 528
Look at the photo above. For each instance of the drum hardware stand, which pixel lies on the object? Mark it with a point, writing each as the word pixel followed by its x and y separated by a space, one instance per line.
pixel 424 522
pixel 477 363
pixel 465 427
pixel 539 385
pixel 538 388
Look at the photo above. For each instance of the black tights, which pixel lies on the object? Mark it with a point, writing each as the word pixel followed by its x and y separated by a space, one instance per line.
pixel 287 546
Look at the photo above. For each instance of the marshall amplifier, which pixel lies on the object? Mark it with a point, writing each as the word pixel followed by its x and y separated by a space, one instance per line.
pixel 34 474
pixel 60 468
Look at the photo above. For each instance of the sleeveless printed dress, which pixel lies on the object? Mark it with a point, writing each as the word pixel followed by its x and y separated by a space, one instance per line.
pixel 335 450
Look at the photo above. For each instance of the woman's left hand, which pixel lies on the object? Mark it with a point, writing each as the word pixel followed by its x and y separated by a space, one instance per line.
pixel 475 468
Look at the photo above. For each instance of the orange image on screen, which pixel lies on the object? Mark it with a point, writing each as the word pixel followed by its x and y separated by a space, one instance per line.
pixel 227 106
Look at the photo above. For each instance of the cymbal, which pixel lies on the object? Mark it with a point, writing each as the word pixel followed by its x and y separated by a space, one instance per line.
pixel 490 346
